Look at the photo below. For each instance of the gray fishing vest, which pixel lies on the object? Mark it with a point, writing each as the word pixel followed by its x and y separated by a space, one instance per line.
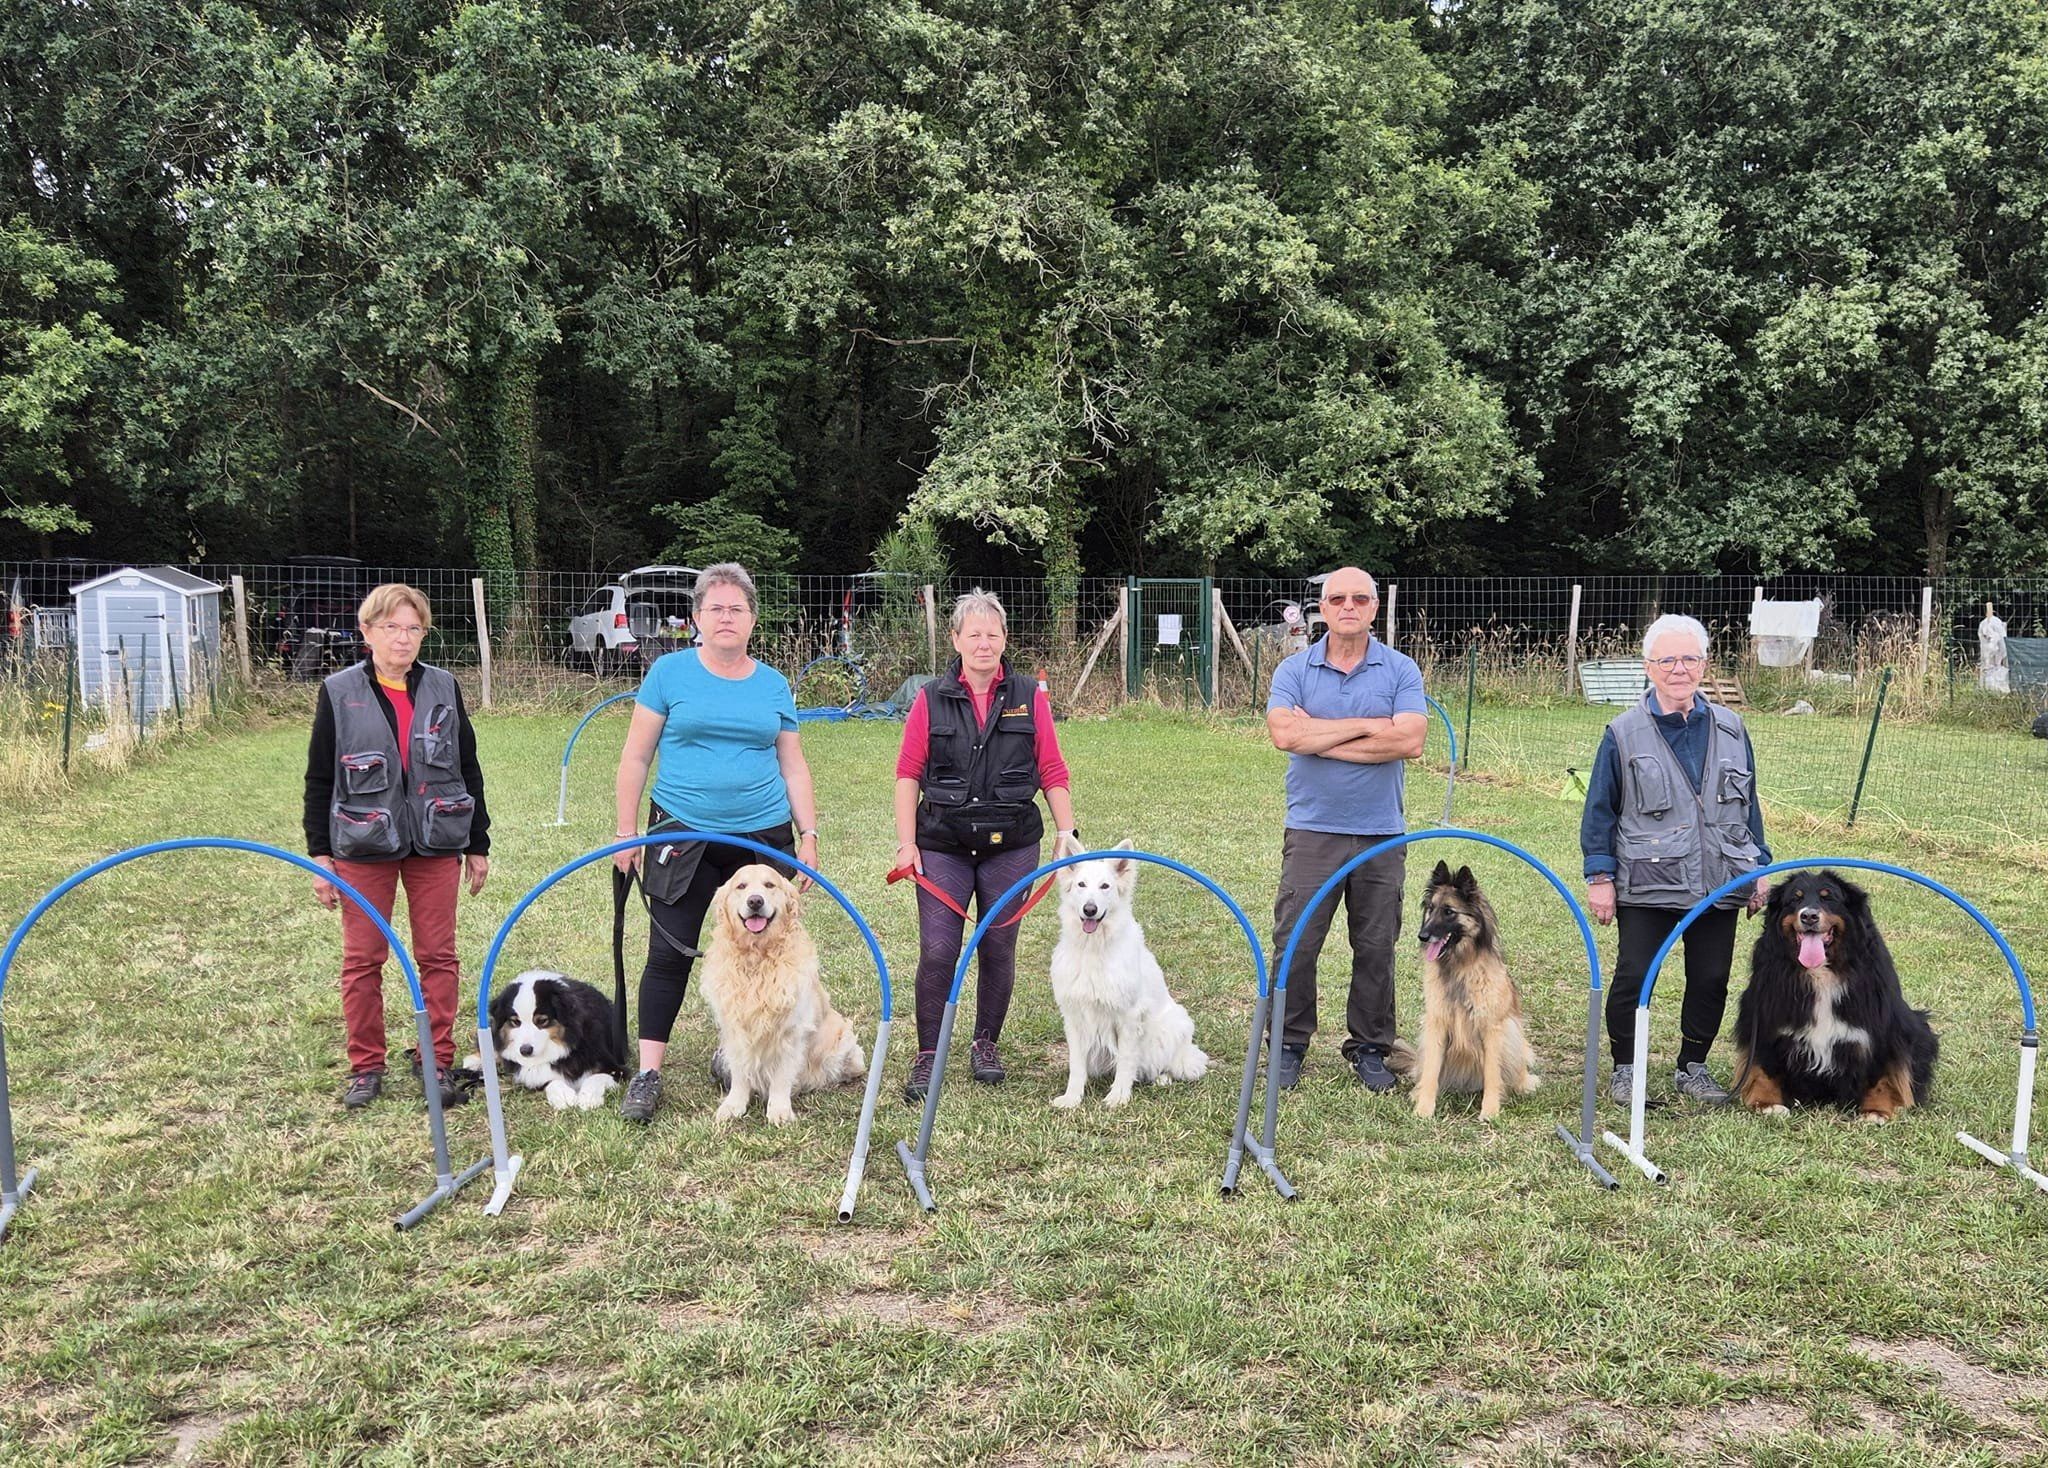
pixel 1674 845
pixel 380 811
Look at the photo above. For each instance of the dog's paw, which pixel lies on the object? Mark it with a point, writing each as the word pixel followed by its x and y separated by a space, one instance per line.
pixel 1488 1113
pixel 1775 1111
pixel 1425 1109
pixel 1067 1100
pixel 780 1113
pixel 473 1061
pixel 1877 1118
pixel 562 1096
pixel 729 1110
pixel 1118 1096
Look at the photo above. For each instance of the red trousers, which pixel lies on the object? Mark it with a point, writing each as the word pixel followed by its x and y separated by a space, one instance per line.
pixel 431 883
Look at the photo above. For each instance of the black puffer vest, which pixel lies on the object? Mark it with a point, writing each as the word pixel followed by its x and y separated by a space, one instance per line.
pixel 980 780
pixel 380 811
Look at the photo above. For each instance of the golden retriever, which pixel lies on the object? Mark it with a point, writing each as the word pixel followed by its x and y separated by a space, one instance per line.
pixel 776 1024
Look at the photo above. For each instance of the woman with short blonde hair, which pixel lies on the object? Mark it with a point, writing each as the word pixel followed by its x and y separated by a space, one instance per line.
pixel 395 793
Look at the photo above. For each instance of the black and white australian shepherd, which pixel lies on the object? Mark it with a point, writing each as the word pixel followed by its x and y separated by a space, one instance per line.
pixel 1823 1021
pixel 557 1034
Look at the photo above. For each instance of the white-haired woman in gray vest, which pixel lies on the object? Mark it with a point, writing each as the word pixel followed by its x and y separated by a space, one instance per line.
pixel 1671 814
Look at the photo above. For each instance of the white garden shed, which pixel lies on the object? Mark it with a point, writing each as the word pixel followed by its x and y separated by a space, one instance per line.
pixel 138 630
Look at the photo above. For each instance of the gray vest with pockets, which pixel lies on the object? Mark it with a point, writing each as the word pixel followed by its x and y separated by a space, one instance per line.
pixel 379 811
pixel 1674 845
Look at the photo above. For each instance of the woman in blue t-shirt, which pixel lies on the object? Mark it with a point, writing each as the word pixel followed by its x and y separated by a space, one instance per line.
pixel 725 727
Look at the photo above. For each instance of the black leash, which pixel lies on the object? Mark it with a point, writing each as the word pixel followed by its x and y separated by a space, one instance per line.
pixel 623 884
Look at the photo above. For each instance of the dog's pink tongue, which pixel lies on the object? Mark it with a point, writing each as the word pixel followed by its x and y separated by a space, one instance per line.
pixel 1089 925
pixel 1813 951
pixel 756 924
pixel 1433 949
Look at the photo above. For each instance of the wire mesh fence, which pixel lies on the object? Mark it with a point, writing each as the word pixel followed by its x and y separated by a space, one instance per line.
pixel 1507 655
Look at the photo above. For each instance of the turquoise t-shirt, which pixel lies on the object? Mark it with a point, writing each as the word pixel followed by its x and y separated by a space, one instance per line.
pixel 718 770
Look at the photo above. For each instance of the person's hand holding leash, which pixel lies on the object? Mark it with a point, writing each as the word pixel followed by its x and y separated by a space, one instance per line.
pixel 628 861
pixel 1760 896
pixel 907 855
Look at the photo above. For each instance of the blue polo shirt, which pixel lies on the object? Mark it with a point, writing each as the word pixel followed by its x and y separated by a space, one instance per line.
pixel 1334 795
pixel 718 768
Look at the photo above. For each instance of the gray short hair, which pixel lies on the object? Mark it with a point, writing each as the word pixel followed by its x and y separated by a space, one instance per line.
pixel 1673 622
pixel 725 573
pixel 977 603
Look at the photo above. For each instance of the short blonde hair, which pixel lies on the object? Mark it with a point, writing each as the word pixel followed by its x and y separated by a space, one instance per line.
pixel 978 603
pixel 388 598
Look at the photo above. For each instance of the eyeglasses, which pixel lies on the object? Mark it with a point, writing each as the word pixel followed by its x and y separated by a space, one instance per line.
pixel 1688 661
pixel 1348 599
pixel 719 614
pixel 395 629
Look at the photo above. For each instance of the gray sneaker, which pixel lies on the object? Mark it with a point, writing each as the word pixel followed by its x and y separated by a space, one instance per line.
pixel 643 1094
pixel 364 1087
pixel 1695 1084
pixel 1621 1088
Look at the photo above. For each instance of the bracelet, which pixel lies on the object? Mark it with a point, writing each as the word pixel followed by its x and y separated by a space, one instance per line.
pixel 1600 879
pixel 812 832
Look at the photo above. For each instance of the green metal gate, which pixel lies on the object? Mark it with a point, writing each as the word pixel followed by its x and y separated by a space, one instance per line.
pixel 1172 637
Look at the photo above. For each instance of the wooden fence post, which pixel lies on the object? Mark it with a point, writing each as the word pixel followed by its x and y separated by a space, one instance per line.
pixel 483 634
pixel 242 627
pixel 1571 642
pixel 931 626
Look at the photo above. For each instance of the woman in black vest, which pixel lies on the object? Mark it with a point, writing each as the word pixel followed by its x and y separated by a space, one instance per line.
pixel 978 746
pixel 394 792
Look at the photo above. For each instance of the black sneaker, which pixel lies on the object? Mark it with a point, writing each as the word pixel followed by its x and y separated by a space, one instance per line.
pixel 1371 1068
pixel 920 1077
pixel 721 1073
pixel 984 1064
pixel 643 1094
pixel 456 1085
pixel 1288 1072
pixel 363 1087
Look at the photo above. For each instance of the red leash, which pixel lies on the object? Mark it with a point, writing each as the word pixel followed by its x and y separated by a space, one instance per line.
pixel 947 898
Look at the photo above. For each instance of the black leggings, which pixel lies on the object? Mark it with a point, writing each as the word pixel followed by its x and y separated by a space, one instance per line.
pixel 666 977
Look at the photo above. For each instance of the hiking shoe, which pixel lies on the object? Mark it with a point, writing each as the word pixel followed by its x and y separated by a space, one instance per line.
pixel 1288 1071
pixel 1370 1066
pixel 1621 1087
pixel 721 1073
pixel 643 1094
pixel 984 1064
pixel 363 1087
pixel 1696 1084
pixel 920 1077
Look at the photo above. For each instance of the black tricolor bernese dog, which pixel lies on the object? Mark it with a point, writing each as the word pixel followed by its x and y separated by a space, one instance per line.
pixel 1823 1021
pixel 558 1034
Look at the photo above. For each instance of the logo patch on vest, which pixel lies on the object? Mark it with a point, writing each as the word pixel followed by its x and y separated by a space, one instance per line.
pixel 1016 713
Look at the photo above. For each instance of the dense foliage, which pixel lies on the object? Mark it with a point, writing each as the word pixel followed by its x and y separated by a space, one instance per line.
pixel 1148 285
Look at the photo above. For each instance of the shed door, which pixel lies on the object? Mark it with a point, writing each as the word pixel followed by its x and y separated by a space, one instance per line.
pixel 134 618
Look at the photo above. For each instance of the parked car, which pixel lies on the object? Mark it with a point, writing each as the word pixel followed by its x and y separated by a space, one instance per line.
pixel 626 624
pixel 313 631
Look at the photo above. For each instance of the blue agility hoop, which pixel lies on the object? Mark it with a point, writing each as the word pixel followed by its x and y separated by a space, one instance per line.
pixel 1451 779
pixel 562 795
pixel 915 1161
pixel 446 1184
pixel 505 1164
pixel 1582 1144
pixel 2015 1157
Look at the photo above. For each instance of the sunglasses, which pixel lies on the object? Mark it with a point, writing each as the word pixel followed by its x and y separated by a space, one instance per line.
pixel 1349 599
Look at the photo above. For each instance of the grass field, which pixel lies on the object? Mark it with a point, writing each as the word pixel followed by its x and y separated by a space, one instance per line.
pixel 207 1272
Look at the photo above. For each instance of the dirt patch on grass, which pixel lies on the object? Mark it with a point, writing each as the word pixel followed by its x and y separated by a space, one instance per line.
pixel 848 1245
pixel 191 1436
pixel 1548 1432
pixel 952 1313
pixel 1734 1423
pixel 674 1315
pixel 1984 1394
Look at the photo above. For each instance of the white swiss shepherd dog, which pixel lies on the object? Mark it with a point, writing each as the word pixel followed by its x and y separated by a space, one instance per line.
pixel 1120 1020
